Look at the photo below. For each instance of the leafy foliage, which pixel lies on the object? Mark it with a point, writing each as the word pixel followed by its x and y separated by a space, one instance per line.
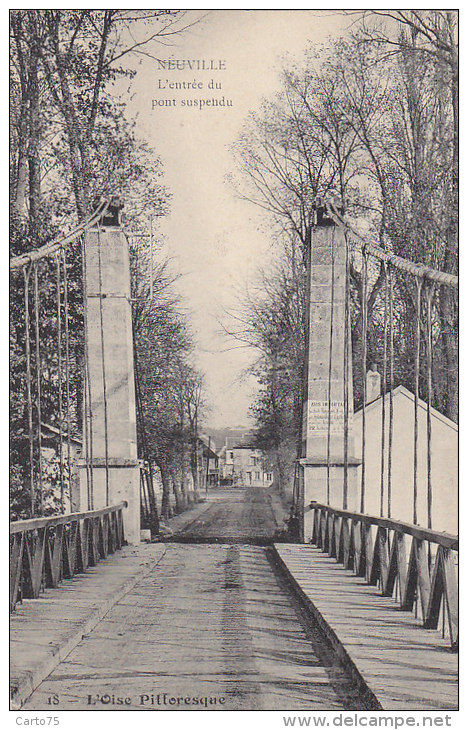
pixel 71 142
pixel 371 119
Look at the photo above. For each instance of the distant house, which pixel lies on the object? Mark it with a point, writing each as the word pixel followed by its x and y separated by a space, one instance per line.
pixel 210 461
pixel 444 467
pixel 248 467
pixel 241 463
pixel 227 459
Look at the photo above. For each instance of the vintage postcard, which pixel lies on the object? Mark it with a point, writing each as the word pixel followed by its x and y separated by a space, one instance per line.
pixel 234 363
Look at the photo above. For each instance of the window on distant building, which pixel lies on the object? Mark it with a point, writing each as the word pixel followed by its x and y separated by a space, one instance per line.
pixel 257 476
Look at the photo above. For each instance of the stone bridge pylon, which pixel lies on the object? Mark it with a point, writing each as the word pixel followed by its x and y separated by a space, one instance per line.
pixel 328 467
pixel 109 470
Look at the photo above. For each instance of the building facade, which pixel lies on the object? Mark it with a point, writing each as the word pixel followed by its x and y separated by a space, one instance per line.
pixel 249 467
pixel 444 462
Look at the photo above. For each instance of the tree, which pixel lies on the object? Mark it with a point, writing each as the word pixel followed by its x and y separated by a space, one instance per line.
pixel 71 141
pixel 195 406
pixel 373 119
pixel 426 48
pixel 378 127
pixel 271 319
pixel 64 62
pixel 171 388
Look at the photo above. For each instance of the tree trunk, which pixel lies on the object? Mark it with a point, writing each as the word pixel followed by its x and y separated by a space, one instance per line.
pixel 178 493
pixel 21 186
pixel 34 161
pixel 448 303
pixel 21 181
pixel 194 468
pixel 166 499
pixel 449 335
pixel 78 141
pixel 280 468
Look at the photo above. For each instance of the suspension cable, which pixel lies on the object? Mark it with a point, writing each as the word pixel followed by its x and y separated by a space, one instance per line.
pixel 67 368
pixel 59 380
pixel 391 378
pixel 26 275
pixel 307 304
pixel 17 262
pixel 88 411
pixel 364 373
pixel 56 249
pixel 103 367
pixel 421 273
pixel 429 292
pixel 384 387
pixel 416 396
pixel 330 356
pixel 346 377
pixel 38 386
pixel 302 436
pixel 417 269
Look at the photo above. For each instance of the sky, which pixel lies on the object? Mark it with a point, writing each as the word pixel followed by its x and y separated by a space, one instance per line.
pixel 217 240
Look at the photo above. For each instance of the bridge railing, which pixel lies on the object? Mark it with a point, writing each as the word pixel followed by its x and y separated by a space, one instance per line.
pixel 422 578
pixel 46 550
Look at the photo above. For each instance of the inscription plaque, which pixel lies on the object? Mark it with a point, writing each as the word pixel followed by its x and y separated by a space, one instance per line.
pixel 318 417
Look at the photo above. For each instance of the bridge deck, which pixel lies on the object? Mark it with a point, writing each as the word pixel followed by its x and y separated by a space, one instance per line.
pixel 221 621
pixel 207 621
pixel 405 666
pixel 45 630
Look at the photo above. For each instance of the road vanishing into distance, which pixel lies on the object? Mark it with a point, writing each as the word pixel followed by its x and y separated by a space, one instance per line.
pixel 212 626
pixel 237 515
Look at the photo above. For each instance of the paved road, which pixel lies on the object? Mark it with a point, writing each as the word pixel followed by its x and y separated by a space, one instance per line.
pixel 210 627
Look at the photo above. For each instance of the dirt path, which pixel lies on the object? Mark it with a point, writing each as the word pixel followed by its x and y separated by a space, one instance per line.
pixel 238 515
